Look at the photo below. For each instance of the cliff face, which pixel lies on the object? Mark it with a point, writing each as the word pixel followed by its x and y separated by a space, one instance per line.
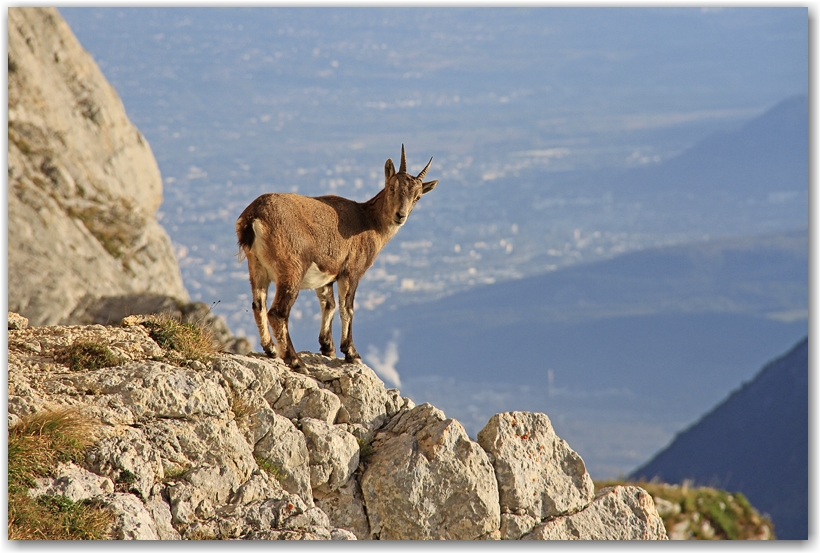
pixel 84 186
pixel 239 446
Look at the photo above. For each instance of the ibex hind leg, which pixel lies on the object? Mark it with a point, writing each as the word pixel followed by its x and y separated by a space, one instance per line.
pixel 328 306
pixel 278 315
pixel 259 289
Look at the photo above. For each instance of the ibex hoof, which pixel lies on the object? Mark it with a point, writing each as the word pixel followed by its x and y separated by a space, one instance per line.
pixel 297 365
pixel 353 358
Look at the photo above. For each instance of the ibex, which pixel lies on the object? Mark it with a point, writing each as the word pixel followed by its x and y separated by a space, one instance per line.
pixel 302 243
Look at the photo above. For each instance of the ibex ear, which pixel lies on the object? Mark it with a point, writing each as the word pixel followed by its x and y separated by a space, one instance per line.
pixel 389 170
pixel 428 186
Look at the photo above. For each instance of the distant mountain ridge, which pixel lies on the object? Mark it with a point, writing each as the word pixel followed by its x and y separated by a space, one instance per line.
pixel 767 155
pixel 756 441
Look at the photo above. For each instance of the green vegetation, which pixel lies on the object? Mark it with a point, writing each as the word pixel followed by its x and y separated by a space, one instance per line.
pixel 126 477
pixel 191 340
pixel 702 513
pixel 174 473
pixel 36 445
pixel 87 355
pixel 366 450
pixel 269 467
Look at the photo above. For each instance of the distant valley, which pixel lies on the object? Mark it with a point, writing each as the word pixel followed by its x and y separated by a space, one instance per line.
pixel 652 339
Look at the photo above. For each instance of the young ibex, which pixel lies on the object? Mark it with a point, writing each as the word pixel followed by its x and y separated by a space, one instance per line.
pixel 300 242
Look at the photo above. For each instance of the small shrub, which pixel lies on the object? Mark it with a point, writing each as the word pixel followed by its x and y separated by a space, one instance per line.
pixel 191 340
pixel 86 355
pixel 126 477
pixel 174 473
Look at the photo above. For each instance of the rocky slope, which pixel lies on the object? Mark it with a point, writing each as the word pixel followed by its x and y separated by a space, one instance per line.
pixel 84 186
pixel 239 446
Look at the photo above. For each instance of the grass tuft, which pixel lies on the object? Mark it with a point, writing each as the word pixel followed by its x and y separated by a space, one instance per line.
pixel 87 355
pixel 36 445
pixel 38 442
pixel 191 340
pixel 241 408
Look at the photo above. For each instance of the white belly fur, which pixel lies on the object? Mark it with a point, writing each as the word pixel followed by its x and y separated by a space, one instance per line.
pixel 314 278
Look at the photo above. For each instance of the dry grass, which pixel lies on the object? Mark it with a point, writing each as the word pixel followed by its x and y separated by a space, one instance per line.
pixel 35 447
pixel 56 518
pixel 191 340
pixel 241 408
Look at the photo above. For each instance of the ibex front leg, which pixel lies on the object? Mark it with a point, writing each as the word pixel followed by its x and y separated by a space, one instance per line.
pixel 328 305
pixel 347 291
pixel 278 315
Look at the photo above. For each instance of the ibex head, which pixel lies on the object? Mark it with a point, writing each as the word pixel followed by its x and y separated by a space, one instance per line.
pixel 404 190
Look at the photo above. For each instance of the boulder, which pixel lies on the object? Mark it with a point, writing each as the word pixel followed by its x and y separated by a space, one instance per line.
pixel 539 475
pixel 334 454
pixel 617 513
pixel 345 507
pixel 427 480
pixel 284 448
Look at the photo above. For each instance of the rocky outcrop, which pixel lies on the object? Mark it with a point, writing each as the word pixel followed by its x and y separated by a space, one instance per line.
pixel 84 186
pixel 241 447
pixel 111 310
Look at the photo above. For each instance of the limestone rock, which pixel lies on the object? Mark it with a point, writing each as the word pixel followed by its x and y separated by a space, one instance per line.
pixel 17 321
pixel 205 452
pixel 285 448
pixel 334 454
pixel 428 480
pixel 617 513
pixel 73 482
pixel 132 520
pixel 128 459
pixel 155 389
pixel 84 186
pixel 303 397
pixel 160 512
pixel 345 507
pixel 539 475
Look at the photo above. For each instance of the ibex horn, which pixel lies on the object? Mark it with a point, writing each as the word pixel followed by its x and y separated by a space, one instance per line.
pixel 424 171
pixel 403 166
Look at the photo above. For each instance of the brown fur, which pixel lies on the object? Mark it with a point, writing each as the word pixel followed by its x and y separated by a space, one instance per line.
pixel 303 242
